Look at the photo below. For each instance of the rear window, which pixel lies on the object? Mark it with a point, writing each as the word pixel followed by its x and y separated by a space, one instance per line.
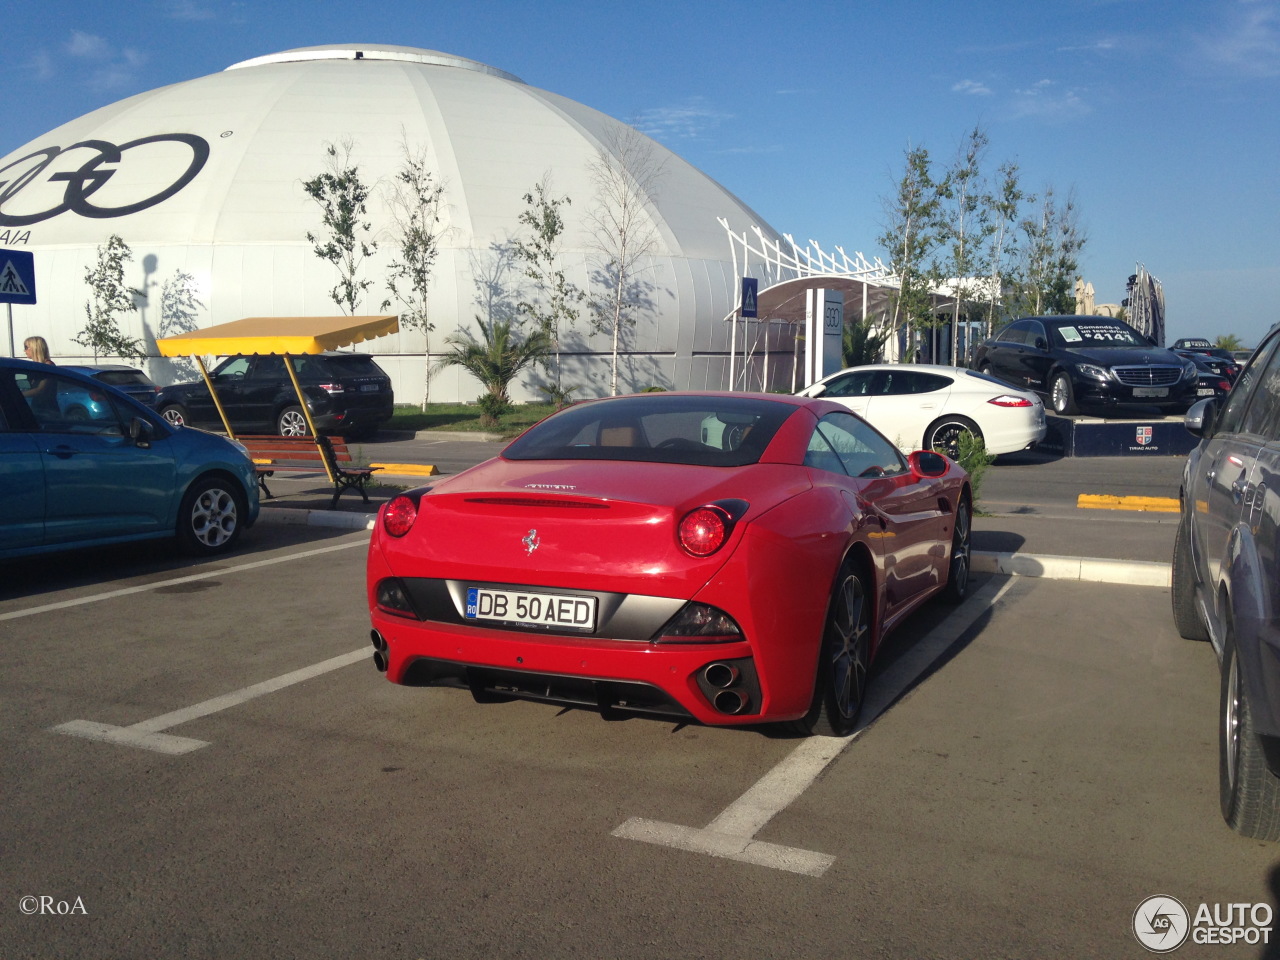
pixel 123 378
pixel 721 431
pixel 351 365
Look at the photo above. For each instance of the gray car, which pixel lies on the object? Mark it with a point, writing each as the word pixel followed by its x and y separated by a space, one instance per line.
pixel 1226 580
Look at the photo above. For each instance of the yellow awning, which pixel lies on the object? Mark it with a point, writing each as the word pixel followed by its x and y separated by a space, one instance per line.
pixel 293 335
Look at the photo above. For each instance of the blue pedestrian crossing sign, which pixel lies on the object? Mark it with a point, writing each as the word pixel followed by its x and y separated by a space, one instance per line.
pixel 17 276
pixel 750 287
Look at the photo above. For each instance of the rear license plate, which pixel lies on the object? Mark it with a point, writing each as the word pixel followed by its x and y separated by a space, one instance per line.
pixel 1150 391
pixel 368 388
pixel 1205 392
pixel 548 610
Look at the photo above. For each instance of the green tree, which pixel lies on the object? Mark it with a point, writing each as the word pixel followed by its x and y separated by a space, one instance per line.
pixel 964 225
pixel 1002 214
pixel 540 253
pixel 179 306
pixel 110 296
pixel 1228 341
pixel 625 171
pixel 910 236
pixel 414 200
pixel 862 344
pixel 495 359
pixel 342 197
pixel 1049 265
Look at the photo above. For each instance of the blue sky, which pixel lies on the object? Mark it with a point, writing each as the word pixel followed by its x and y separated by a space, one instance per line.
pixel 1161 115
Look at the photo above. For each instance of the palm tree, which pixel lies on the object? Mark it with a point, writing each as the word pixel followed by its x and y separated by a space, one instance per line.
pixel 495 359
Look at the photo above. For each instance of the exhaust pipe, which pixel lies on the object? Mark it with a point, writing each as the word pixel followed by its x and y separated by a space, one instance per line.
pixel 730 701
pixel 721 675
pixel 379 650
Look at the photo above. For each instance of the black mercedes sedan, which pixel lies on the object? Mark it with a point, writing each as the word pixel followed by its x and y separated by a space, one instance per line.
pixel 1086 361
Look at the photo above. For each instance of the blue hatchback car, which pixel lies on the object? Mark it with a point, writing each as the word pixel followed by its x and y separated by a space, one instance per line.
pixel 77 475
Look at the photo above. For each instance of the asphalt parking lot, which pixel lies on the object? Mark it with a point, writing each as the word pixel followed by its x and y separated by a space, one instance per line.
pixel 200 761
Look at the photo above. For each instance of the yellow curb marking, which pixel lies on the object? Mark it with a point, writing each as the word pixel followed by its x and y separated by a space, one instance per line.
pixel 407 469
pixel 1105 502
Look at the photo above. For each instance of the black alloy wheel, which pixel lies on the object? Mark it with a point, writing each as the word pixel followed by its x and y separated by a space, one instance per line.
pixel 843 660
pixel 944 435
pixel 957 587
pixel 1249 791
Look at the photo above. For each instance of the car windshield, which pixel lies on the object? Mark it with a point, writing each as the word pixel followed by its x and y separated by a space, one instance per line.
pixel 720 431
pixel 1072 335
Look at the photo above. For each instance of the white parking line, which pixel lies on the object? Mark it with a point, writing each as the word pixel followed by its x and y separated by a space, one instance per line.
pixel 143 588
pixel 731 835
pixel 146 735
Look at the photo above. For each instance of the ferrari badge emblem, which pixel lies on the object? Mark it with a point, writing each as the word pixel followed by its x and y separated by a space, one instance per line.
pixel 531 542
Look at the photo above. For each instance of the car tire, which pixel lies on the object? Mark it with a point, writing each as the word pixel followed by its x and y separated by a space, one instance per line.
pixel 1249 791
pixel 292 422
pixel 211 516
pixel 844 658
pixel 958 570
pixel 1186 618
pixel 175 414
pixel 943 435
pixel 1061 395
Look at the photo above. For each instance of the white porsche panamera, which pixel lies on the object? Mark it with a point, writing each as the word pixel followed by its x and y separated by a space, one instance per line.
pixel 929 406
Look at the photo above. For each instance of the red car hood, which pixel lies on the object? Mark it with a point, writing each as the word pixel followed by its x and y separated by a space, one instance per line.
pixel 600 525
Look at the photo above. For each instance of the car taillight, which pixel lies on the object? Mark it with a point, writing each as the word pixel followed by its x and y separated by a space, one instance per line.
pixel 399 515
pixel 332 388
pixel 704 530
pixel 1005 400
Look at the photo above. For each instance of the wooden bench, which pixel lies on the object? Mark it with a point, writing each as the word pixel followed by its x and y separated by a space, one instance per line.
pixel 273 454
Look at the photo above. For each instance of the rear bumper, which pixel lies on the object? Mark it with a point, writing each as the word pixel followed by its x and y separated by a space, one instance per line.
pixel 666 680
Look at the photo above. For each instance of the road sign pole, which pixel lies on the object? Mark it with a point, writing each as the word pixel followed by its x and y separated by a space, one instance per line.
pixel 12 351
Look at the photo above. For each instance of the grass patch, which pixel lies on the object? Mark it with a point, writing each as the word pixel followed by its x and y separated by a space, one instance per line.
pixel 466 416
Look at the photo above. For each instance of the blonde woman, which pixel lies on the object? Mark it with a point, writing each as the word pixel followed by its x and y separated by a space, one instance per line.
pixel 37 350
pixel 43 393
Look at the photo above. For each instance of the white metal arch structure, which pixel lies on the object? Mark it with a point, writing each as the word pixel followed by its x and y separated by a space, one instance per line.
pixel 787 275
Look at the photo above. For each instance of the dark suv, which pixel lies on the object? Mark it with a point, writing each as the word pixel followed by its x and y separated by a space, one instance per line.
pixel 347 394
pixel 1077 361
pixel 1226 580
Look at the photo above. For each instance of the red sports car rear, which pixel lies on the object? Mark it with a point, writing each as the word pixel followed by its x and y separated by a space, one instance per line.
pixel 729 558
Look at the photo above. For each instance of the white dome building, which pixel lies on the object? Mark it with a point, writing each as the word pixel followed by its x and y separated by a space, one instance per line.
pixel 204 178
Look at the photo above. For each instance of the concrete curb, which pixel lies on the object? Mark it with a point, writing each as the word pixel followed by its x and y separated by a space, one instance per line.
pixel 1136 573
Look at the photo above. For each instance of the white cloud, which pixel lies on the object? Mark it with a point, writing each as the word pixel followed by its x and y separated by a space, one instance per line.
pixel 972 88
pixel 190 10
pixel 688 121
pixel 112 69
pixel 1047 100
pixel 86 46
pixel 1248 42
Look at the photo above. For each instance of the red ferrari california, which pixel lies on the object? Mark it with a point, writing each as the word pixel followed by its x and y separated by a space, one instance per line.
pixel 724 557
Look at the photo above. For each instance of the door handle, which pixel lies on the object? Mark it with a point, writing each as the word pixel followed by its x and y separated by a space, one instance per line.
pixel 1238 489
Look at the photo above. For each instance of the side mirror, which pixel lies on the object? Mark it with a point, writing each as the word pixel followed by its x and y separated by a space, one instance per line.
pixel 141 432
pixel 928 463
pixel 1199 419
